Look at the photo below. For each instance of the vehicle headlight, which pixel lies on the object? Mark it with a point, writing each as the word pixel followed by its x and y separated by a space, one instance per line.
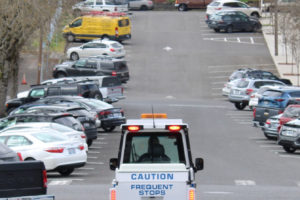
pixel 291 132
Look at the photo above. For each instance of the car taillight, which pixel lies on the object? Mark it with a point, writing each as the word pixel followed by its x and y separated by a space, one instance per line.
pixel 105 112
pixel 55 150
pixel 45 178
pixel 113 73
pixel 268 122
pixel 81 147
pixel 113 194
pixel 249 91
pixel 112 50
pixel 279 100
pixel 117 32
pixel 83 136
pixel 280 111
pixel 20 156
pixel 192 194
pixel 218 8
pixel 254 112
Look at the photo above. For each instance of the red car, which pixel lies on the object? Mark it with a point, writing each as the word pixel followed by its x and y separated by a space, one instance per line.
pixel 290 113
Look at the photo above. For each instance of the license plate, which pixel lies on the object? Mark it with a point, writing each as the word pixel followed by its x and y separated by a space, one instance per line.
pixel 71 151
pixel 236 92
pixel 117 115
pixel 266 114
pixel 86 125
pixel 266 102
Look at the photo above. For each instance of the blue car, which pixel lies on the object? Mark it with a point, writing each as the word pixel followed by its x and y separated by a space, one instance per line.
pixel 273 102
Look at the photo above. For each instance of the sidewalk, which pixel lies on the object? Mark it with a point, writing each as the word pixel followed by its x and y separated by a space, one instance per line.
pixel 286 70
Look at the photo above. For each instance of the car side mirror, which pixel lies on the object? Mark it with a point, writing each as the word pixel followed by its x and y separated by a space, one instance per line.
pixel 113 163
pixel 199 164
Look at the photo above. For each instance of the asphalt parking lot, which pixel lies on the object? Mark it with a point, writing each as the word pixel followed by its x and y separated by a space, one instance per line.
pixel 179 66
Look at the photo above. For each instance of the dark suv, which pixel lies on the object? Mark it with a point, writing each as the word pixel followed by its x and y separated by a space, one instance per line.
pixel 87 90
pixel 93 66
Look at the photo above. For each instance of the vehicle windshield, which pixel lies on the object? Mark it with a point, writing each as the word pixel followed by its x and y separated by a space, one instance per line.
pixel 98 104
pixel 292 112
pixel 70 122
pixel 154 148
pixel 242 84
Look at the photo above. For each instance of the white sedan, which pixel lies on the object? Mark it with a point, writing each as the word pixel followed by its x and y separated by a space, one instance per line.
pixel 95 48
pixel 57 152
pixel 76 136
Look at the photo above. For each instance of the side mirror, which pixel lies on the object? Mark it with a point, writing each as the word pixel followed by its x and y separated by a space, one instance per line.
pixel 199 164
pixel 113 163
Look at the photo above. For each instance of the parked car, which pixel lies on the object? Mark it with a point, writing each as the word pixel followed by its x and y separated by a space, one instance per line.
pixel 94 48
pixel 209 18
pixel 104 25
pixel 56 151
pixel 41 91
pixel 110 117
pixel 140 4
pixel 76 136
pixel 236 5
pixel 230 22
pixel 227 87
pixel 273 102
pixel 8 155
pixel 184 5
pixel 289 136
pixel 97 66
pixel 290 113
pixel 257 95
pixel 81 114
pixel 239 73
pixel 100 5
pixel 270 128
pixel 240 94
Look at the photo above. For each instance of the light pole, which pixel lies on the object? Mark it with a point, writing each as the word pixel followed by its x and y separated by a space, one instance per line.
pixel 276 27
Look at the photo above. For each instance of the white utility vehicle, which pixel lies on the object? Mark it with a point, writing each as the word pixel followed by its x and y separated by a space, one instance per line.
pixel 154 161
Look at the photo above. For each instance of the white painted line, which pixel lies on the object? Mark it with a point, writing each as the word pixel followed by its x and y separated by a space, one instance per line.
pixel 298 184
pixel 238 39
pixel 96 147
pixel 92 157
pixel 251 39
pixel 95 163
pixel 79 174
pixel 217 192
pixel 216 88
pixel 170 97
pixel 101 138
pixel 196 106
pixel 60 182
pixel 267 146
pixel 289 156
pixel 93 152
pixel 244 182
pixel 244 123
pixel 217 83
pixel 104 134
pixel 85 168
pixel 225 40
pixel 240 65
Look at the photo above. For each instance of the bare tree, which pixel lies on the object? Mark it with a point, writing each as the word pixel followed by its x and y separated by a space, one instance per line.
pixel 18 20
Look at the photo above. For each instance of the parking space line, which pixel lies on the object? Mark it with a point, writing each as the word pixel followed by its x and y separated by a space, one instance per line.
pixel 92 157
pixel 216 88
pixel 241 65
pixel 251 39
pixel 95 163
pixel 93 152
pixel 213 77
pixel 79 174
pixel 289 156
pixel 96 147
pixel 60 182
pixel 224 71
pixel 244 183
pixel 217 83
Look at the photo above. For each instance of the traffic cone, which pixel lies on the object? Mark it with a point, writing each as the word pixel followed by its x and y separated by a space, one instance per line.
pixel 24 82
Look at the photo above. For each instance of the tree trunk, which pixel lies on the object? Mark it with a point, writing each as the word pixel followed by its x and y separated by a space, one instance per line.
pixel 3 84
pixel 14 77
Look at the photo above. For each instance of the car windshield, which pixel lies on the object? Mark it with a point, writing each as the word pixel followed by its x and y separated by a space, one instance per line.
pixel 272 93
pixel 48 137
pixel 292 112
pixel 69 121
pixel 79 112
pixel 98 104
pixel 154 148
pixel 116 45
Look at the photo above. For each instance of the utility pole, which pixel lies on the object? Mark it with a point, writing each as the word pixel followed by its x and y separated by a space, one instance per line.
pixel 40 57
pixel 276 27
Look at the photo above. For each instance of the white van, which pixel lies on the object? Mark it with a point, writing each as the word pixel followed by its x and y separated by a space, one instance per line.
pixel 100 5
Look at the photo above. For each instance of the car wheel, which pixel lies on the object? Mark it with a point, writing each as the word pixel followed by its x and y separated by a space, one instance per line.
pixel 98 96
pixel 289 149
pixel 240 106
pixel 229 29
pixel 66 171
pixel 256 15
pixel 60 75
pixel 108 129
pixel 143 7
pixel 89 142
pixel 74 56
pixel 182 7
pixel 29 159
pixel 217 30
pixel 70 38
